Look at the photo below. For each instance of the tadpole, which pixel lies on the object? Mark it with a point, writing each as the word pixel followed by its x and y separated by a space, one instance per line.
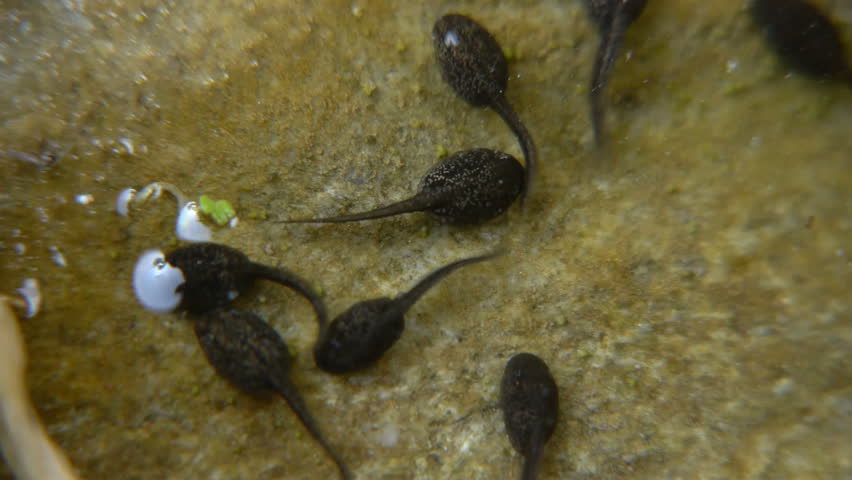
pixel 530 402
pixel 804 37
pixel 466 188
pixel 474 65
pixel 612 18
pixel 249 353
pixel 359 336
pixel 205 276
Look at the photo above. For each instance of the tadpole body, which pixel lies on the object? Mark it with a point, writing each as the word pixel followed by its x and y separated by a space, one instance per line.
pixel 249 353
pixel 215 274
pixel 466 188
pixel 474 65
pixel 359 336
pixel 612 18
pixel 530 402
pixel 804 37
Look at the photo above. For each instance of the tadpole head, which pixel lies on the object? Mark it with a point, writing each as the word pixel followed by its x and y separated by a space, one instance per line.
pixel 358 337
pixel 214 275
pixel 803 36
pixel 242 348
pixel 470 59
pixel 474 185
pixel 530 401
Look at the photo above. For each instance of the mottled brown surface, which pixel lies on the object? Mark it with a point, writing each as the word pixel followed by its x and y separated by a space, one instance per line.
pixel 690 292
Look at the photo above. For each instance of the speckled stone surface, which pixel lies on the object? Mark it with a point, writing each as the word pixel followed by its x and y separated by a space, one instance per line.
pixel 689 289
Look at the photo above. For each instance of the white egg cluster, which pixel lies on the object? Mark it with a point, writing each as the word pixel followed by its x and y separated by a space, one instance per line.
pixel 155 282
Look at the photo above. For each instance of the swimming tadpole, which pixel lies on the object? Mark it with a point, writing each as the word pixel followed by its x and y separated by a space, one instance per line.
pixel 249 353
pixel 474 65
pixel 466 188
pixel 803 37
pixel 359 336
pixel 612 18
pixel 530 402
pixel 205 276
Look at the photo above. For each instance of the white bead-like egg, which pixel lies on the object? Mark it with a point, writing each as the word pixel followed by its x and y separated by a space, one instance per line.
pixel 155 282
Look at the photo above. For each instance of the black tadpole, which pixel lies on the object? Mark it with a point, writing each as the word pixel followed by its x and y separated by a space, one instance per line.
pixel 216 274
pixel 465 188
pixel 612 18
pixel 475 66
pixel 359 336
pixel 530 402
pixel 804 38
pixel 250 354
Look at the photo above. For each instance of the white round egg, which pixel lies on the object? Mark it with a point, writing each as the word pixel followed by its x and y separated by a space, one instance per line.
pixel 155 282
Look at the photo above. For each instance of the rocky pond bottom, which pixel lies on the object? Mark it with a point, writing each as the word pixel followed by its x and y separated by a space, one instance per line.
pixel 687 284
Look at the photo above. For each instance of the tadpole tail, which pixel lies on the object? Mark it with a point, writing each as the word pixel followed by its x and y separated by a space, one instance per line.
pixel 612 37
pixel 416 203
pixel 508 114
pixel 407 299
pixel 303 287
pixel 288 391
pixel 532 458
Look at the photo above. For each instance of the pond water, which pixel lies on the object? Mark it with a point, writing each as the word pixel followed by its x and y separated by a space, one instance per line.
pixel 688 286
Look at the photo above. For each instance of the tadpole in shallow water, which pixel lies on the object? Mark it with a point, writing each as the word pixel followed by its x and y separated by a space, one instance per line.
pixel 803 37
pixel 205 276
pixel 475 66
pixel 250 354
pixel 530 402
pixel 612 18
pixel 359 336
pixel 465 188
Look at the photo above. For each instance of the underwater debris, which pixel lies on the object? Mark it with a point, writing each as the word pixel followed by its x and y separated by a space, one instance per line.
pixel 156 283
pixel 190 226
pixel 205 276
pixel 31 291
pixel 24 442
pixel 49 154
pixel 123 200
pixel 220 211
pixel 57 256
